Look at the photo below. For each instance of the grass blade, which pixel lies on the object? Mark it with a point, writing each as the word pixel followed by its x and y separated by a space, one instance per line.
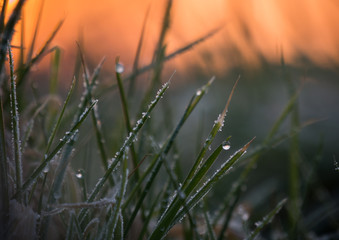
pixel 126 144
pixel 15 126
pixel 267 219
pixel 126 116
pixel 216 127
pixel 120 196
pixel 172 215
pixel 156 163
pixel 51 155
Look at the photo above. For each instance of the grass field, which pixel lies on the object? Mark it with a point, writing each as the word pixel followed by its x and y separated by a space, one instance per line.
pixel 248 154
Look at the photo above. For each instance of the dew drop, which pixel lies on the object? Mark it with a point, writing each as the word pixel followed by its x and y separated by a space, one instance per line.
pixel 46 169
pixel 79 175
pixel 198 93
pixel 119 68
pixel 226 145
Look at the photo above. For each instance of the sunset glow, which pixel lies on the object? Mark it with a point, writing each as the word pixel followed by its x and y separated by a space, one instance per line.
pixel 251 29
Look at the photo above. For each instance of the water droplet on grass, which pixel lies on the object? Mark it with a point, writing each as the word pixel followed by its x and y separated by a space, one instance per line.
pixel 226 145
pixel 119 68
pixel 79 175
pixel 46 169
pixel 198 93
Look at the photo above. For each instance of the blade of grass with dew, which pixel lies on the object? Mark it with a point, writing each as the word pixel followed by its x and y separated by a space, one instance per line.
pixel 87 96
pixel 127 143
pixel 51 155
pixel 126 116
pixel 15 127
pixel 182 195
pixel 119 198
pixel 158 55
pixel 173 215
pixel 55 190
pixel 216 127
pixel 157 161
pixel 267 144
pixel 175 53
pixel 190 107
pixel 267 219
pixel 57 124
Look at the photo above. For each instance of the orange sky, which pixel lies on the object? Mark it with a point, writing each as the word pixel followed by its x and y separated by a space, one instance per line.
pixel 251 28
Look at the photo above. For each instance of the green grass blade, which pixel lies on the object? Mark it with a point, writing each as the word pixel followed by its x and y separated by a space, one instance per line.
pixel 37 25
pixel 15 127
pixel 140 123
pixel 126 116
pixel 165 149
pixel 53 88
pixel 57 124
pixel 216 127
pixel 53 153
pixel 172 215
pixel 137 54
pixel 119 198
pixel 267 219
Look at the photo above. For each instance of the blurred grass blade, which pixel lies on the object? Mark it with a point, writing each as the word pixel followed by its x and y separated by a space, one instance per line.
pixel 210 231
pixel 3 15
pixel 173 54
pixel 267 219
pixel 126 144
pixel 90 84
pixel 37 25
pixel 119 198
pixel 53 88
pixel 138 53
pixel 43 51
pixel 15 126
pixel 51 155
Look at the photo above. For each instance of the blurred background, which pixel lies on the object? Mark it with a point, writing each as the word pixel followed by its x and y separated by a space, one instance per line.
pixel 255 37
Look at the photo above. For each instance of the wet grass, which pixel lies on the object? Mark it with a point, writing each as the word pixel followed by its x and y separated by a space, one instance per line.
pixel 142 191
